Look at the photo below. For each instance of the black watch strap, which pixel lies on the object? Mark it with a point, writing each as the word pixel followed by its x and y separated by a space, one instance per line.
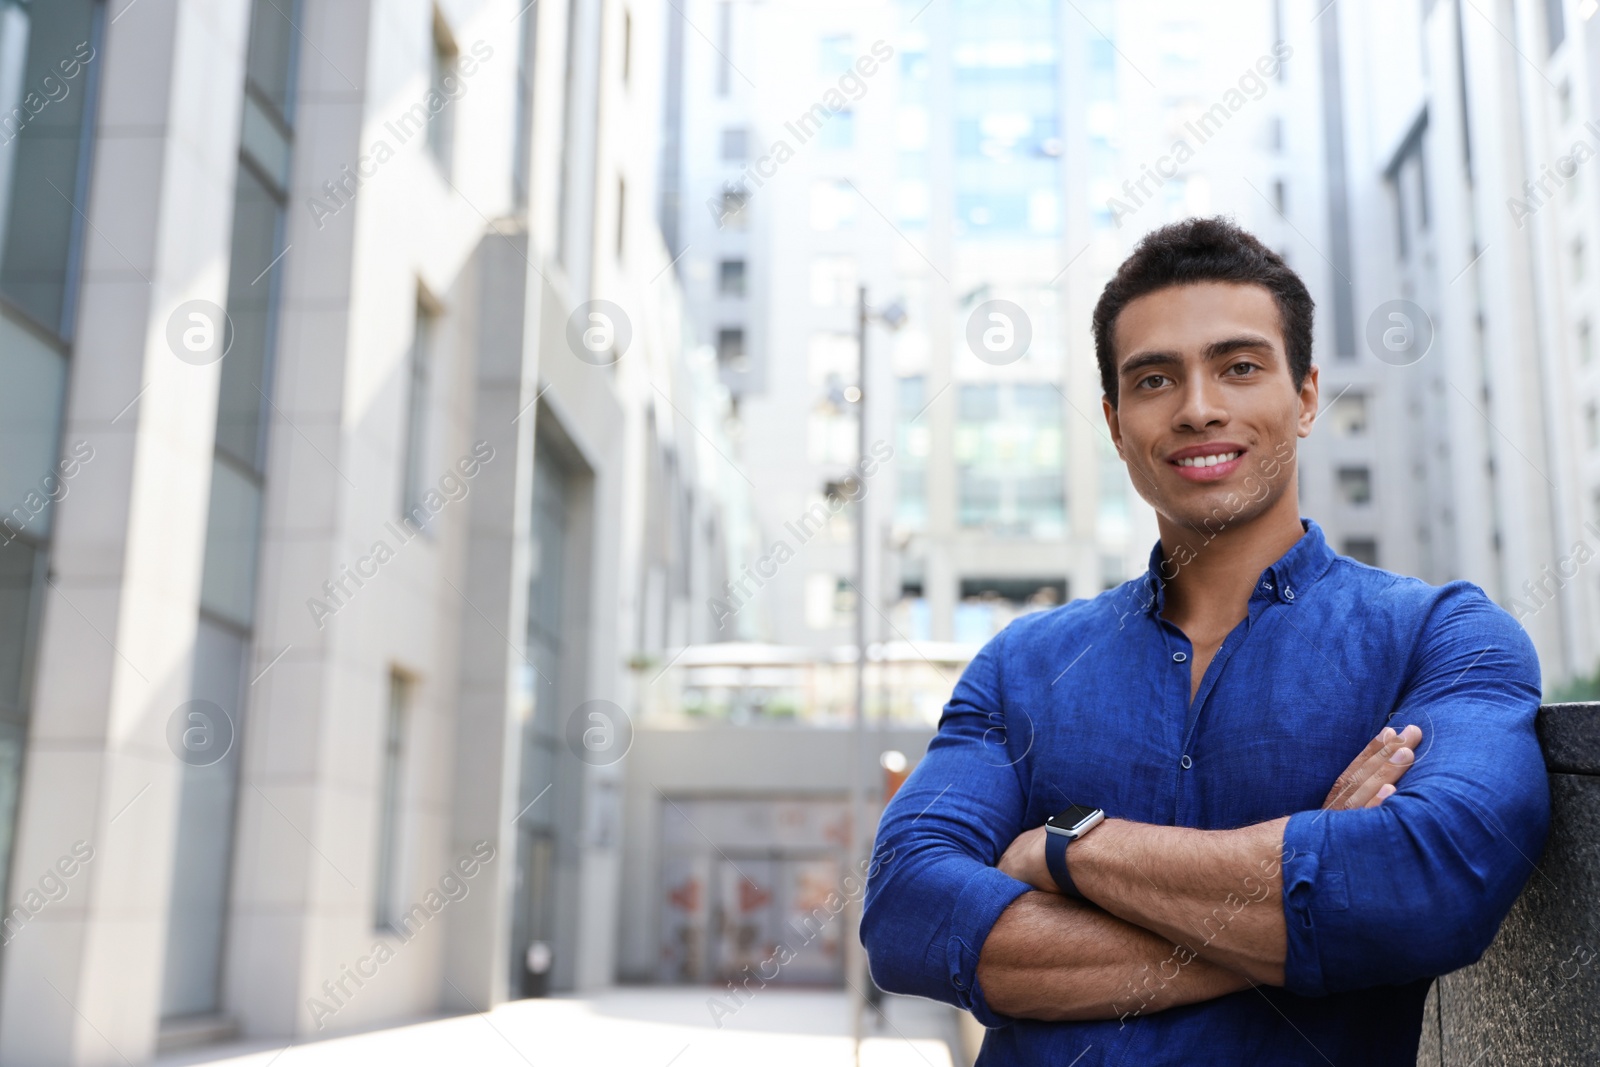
pixel 1055 856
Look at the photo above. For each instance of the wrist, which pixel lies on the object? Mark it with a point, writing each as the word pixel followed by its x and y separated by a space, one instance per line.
pixel 1067 835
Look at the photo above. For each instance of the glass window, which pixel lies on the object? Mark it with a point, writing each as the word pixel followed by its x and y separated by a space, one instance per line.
pixel 835 54
pixel 18 578
pixel 1555 23
pixel 724 47
pixel 730 347
pixel 446 83
pixel 387 888
pixel 1355 485
pixel 233 526
pixel 730 277
pixel 422 341
pixel 1008 452
pixel 839 131
pixel 270 61
pixel 198 908
pixel 34 374
pixel 821 598
pixel 252 281
pixel 1363 549
pixel 833 205
pixel 1348 416
pixel 49 66
pixel 527 48
pixel 733 210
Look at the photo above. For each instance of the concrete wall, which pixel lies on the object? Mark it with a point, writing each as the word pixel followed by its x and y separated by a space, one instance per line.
pixel 1531 1000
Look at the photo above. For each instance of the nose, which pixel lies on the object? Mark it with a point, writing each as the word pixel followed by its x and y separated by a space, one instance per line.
pixel 1200 404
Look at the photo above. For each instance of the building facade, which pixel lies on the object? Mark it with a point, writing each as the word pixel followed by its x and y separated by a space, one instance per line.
pixel 1470 131
pixel 356 466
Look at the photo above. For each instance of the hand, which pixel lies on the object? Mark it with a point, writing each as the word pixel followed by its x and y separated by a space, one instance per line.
pixel 1024 860
pixel 1370 779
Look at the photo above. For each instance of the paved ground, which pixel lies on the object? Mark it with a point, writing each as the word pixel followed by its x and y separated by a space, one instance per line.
pixel 635 1027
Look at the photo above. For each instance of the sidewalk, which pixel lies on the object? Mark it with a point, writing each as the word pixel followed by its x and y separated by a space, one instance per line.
pixel 645 1027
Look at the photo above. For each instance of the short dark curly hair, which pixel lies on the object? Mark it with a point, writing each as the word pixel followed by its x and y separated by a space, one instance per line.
pixel 1204 250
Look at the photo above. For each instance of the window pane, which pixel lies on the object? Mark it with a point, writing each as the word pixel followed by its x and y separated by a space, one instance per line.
pixel 730 281
pixel 198 909
pixel 417 416
pixel 242 394
pixel 445 82
pixel 271 57
pixel 18 563
pixel 386 886
pixel 47 72
pixel 228 587
pixel 30 420
pixel 265 143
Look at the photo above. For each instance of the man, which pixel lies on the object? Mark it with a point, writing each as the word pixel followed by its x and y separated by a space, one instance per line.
pixel 1279 874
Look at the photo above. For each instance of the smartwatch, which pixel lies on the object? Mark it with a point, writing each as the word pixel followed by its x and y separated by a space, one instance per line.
pixel 1060 831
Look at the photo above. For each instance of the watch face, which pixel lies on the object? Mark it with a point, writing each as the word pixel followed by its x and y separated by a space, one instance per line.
pixel 1071 819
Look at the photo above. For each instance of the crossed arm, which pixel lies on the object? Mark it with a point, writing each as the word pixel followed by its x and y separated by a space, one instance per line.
pixel 1174 915
pixel 959 908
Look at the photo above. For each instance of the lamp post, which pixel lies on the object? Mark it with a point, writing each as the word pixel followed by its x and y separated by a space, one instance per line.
pixel 892 316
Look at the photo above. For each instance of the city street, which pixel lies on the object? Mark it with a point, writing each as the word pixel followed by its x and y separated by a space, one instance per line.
pixel 636 1027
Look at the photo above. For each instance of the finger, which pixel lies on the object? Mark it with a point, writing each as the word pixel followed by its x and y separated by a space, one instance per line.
pixel 1409 737
pixel 1347 780
pixel 1384 792
pixel 1365 764
pixel 1396 763
pixel 1363 781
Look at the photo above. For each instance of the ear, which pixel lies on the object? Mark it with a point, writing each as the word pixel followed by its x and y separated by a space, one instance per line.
pixel 1112 423
pixel 1310 397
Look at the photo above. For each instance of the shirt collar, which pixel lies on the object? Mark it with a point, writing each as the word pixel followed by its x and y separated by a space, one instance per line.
pixel 1284 581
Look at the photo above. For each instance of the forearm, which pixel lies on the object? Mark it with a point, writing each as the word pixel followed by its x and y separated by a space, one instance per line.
pixel 1217 892
pixel 1052 958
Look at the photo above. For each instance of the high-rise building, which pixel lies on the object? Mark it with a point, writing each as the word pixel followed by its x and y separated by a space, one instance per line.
pixel 1474 219
pixel 921 154
pixel 352 452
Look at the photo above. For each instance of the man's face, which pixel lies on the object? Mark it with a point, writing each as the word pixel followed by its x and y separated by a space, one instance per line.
pixel 1202 372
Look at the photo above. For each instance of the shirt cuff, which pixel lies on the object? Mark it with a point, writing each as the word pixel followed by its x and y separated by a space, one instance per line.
pixel 987 893
pixel 1313 892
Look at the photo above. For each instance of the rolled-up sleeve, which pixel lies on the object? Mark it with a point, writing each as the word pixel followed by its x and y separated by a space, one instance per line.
pixel 1419 885
pixel 933 892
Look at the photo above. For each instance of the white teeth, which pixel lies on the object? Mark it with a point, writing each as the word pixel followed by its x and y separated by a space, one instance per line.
pixel 1208 461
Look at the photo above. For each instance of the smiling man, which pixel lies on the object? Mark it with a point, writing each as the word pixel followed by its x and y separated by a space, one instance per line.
pixel 1176 824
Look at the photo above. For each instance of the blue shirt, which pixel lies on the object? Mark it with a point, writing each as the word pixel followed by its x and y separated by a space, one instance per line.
pixel 1089 703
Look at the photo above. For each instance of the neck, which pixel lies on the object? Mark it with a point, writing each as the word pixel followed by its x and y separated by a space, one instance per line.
pixel 1210 575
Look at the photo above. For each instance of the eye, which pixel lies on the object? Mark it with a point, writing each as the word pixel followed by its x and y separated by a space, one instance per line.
pixel 1245 364
pixel 1151 378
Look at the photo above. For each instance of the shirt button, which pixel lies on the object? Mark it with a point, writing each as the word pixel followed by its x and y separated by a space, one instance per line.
pixel 1179 657
pixel 1266 585
pixel 1288 594
pixel 1185 762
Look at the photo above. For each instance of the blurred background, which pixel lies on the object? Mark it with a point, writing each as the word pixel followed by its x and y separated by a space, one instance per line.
pixel 496 494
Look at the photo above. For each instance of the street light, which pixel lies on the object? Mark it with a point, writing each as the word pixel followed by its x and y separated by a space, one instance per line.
pixel 892 316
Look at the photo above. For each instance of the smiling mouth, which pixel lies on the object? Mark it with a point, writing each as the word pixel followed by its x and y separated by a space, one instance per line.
pixel 1208 461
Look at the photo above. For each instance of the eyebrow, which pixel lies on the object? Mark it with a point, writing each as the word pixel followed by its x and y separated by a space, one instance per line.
pixel 1214 350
